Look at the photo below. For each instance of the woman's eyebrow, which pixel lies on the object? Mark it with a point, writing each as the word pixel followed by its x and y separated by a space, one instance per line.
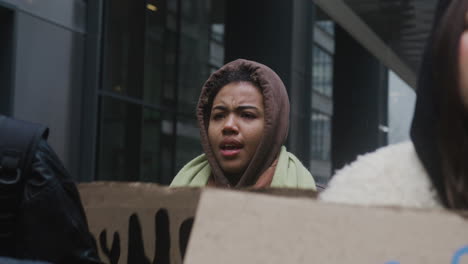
pixel 246 107
pixel 220 107
pixel 239 108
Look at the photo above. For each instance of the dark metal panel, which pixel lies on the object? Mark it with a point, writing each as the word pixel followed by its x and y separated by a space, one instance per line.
pixel 404 25
pixel 6 59
pixel 394 31
pixel 48 81
pixel 302 29
pixel 70 14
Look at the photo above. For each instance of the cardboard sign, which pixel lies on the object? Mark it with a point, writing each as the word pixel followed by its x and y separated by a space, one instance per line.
pixel 234 227
pixel 139 222
pixel 144 222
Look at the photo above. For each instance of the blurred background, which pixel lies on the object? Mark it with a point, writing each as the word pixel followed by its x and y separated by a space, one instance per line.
pixel 117 81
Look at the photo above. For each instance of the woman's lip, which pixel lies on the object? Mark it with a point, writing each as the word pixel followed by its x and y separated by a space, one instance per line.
pixel 229 153
pixel 232 142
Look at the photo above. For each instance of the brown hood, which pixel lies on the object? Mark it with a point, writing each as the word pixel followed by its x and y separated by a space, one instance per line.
pixel 276 107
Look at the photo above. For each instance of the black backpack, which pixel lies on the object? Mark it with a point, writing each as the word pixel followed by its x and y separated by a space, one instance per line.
pixel 41 215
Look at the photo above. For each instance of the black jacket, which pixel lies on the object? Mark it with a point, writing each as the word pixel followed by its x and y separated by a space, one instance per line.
pixel 50 221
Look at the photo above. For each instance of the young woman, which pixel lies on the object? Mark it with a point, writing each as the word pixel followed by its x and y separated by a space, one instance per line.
pixel 243 115
pixel 432 169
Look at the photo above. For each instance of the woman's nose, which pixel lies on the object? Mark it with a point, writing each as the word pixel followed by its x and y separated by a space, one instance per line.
pixel 230 126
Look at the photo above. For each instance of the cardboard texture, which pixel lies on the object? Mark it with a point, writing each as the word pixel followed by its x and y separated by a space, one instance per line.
pixel 145 222
pixel 139 222
pixel 234 227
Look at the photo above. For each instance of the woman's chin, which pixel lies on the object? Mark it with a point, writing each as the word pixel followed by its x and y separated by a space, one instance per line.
pixel 232 169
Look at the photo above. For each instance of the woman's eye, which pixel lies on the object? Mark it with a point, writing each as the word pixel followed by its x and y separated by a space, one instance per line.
pixel 248 115
pixel 217 116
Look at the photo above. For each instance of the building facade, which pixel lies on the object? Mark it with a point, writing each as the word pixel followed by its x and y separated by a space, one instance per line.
pixel 117 81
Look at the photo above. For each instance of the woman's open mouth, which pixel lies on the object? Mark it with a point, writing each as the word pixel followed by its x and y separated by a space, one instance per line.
pixel 230 148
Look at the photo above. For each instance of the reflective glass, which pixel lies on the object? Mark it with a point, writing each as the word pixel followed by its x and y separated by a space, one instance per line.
pixel 327 26
pixel 322 73
pixel 321 136
pixel 120 139
pixel 194 56
pixel 133 143
pixel 124 47
pixel 140 49
pixel 157 55
pixel 160 52
pixel 188 141
pixel 157 147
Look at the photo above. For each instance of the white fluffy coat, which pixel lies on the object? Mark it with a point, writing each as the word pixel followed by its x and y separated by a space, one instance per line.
pixel 390 176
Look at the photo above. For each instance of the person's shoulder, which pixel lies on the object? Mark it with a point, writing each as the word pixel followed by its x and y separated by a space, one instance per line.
pixel 195 173
pixel 392 175
pixel 291 173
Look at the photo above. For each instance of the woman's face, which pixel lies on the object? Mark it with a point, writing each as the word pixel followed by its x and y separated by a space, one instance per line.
pixel 236 126
pixel 463 70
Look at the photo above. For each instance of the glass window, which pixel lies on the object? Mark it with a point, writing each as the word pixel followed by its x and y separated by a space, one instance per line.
pixel 327 26
pixel 217 46
pixel 194 53
pixel 156 145
pixel 157 55
pixel 188 141
pixel 323 21
pixel 322 96
pixel 132 142
pixel 160 55
pixel 321 136
pixel 124 47
pixel 322 72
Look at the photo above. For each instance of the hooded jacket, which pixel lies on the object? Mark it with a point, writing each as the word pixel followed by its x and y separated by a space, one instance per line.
pixel 405 174
pixel 289 171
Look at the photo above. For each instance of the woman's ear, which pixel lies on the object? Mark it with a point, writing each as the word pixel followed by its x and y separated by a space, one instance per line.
pixel 463 67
